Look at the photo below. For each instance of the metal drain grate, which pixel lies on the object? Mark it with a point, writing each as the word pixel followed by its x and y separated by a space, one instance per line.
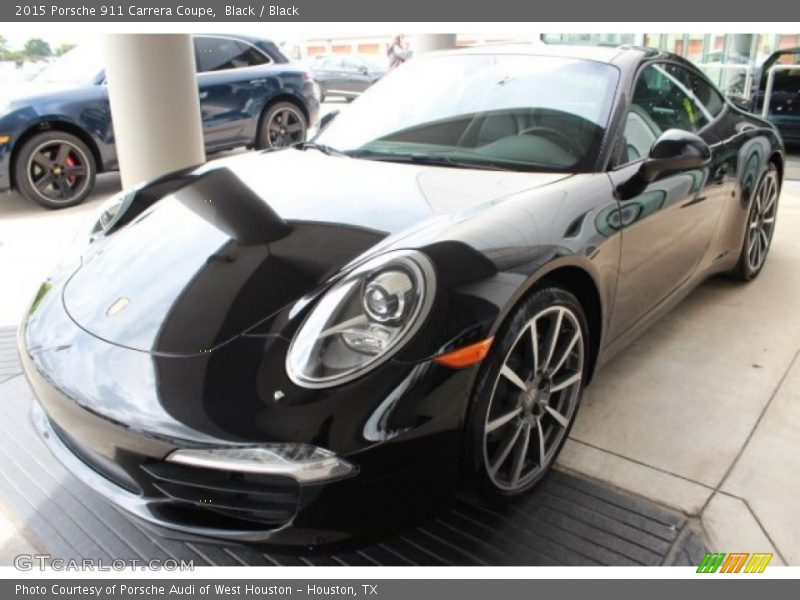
pixel 567 521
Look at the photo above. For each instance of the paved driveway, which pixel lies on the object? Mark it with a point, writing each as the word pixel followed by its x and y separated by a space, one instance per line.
pixel 30 239
pixel 702 413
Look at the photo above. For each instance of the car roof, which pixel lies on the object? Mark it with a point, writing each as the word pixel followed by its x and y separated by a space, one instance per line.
pixel 618 55
pixel 236 36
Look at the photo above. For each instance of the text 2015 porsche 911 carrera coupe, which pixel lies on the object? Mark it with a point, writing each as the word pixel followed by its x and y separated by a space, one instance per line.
pixel 414 303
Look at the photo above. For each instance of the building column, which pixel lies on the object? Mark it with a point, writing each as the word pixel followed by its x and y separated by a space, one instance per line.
pixel 152 88
pixel 428 42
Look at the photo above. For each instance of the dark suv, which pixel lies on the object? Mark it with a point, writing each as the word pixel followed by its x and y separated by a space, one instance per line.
pixel 56 132
pixel 784 104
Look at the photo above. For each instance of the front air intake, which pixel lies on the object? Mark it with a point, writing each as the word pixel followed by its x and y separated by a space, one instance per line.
pixel 267 499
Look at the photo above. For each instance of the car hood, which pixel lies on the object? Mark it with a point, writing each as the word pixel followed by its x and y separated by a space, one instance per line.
pixel 23 91
pixel 239 239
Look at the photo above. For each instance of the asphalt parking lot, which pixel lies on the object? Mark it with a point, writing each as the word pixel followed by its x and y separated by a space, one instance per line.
pixel 701 415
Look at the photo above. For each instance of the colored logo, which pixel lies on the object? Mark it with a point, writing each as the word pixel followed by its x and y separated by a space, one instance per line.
pixel 734 562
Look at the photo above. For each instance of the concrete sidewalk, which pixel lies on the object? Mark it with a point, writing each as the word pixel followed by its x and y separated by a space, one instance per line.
pixel 31 238
pixel 702 413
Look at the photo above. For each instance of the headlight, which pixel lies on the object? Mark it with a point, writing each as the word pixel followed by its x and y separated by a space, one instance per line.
pixel 101 221
pixel 363 320
pixel 111 211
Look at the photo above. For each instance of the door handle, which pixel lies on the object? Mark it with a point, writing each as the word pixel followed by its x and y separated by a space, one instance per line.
pixel 203 95
pixel 258 81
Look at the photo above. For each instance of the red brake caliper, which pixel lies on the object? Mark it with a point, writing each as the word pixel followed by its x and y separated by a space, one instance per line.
pixel 71 163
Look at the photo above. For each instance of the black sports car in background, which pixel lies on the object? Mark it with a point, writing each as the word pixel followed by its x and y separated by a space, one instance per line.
pixel 344 75
pixel 231 354
pixel 56 132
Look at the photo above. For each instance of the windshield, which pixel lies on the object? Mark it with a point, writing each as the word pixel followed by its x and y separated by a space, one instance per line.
pixel 80 65
pixel 489 111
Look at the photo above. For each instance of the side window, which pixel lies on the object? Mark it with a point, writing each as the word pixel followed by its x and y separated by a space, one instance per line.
pixel 334 63
pixel 351 64
pixel 701 91
pixel 249 56
pixel 661 101
pixel 219 54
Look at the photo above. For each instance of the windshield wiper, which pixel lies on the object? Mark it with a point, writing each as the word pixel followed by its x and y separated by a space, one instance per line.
pixel 448 161
pixel 324 148
pixel 427 159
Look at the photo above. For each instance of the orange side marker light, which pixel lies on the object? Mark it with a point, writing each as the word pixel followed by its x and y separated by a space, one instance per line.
pixel 466 356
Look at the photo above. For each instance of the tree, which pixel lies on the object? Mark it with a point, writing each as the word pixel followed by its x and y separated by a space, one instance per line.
pixel 37 48
pixel 63 49
pixel 3 48
pixel 15 55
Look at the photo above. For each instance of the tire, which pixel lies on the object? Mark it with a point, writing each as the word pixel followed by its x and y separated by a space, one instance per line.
pixel 55 169
pixel 760 226
pixel 501 410
pixel 282 124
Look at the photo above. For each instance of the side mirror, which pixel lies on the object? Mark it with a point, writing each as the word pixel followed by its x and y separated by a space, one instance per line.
pixel 326 119
pixel 675 150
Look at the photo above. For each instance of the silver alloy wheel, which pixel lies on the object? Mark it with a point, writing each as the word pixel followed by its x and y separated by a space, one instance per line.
pixel 286 126
pixel 761 221
pixel 58 171
pixel 534 398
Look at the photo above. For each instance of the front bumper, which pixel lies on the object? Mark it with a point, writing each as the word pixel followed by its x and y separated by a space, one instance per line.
pixel 171 514
pixel 123 458
pixel 194 504
pixel 147 509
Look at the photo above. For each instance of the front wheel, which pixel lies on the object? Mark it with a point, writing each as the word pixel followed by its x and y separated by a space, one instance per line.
pixel 55 169
pixel 282 125
pixel 527 394
pixel 760 226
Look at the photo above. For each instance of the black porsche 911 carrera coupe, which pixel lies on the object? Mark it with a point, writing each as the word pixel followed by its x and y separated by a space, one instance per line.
pixel 414 303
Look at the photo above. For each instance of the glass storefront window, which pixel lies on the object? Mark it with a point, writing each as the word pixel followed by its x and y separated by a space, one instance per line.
pixel 614 39
pixel 731 61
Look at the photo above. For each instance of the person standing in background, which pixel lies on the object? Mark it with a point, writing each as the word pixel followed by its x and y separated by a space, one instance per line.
pixel 398 52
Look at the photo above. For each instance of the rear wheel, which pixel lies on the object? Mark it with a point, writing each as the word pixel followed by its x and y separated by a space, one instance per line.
pixel 760 226
pixel 527 394
pixel 282 125
pixel 55 169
